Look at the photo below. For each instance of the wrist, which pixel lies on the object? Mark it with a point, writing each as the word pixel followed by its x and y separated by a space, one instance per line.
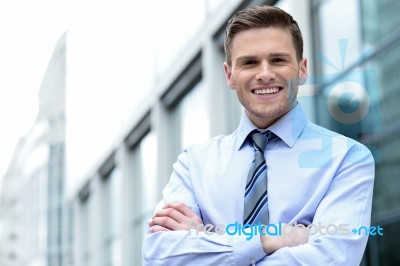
pixel 270 244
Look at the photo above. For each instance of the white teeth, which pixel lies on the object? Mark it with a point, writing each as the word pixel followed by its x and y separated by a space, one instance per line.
pixel 266 91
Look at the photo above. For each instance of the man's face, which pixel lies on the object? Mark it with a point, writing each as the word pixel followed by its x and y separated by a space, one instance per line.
pixel 265 73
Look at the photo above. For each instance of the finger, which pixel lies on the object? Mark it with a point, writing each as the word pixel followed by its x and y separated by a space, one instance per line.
pixel 184 209
pixel 173 214
pixel 166 222
pixel 158 228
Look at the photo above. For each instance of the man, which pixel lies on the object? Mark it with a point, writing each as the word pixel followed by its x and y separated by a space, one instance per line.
pixel 291 175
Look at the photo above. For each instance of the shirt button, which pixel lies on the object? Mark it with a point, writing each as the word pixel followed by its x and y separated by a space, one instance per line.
pixel 252 262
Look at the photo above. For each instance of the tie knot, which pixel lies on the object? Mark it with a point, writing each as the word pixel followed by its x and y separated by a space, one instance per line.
pixel 259 140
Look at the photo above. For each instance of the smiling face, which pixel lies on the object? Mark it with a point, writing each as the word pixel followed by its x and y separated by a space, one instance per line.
pixel 265 73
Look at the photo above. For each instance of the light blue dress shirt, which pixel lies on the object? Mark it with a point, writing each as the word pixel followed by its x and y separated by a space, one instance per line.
pixel 315 176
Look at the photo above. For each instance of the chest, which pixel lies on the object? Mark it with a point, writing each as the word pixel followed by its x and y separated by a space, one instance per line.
pixel 294 189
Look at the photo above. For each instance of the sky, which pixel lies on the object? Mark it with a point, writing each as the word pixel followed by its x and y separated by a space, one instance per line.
pixel 29 31
pixel 98 31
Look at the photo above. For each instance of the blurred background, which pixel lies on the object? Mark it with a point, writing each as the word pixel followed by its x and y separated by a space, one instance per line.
pixel 98 98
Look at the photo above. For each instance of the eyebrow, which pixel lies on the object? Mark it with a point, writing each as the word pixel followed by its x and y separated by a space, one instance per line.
pixel 245 57
pixel 280 55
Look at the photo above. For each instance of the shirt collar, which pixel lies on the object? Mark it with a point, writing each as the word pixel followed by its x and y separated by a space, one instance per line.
pixel 288 128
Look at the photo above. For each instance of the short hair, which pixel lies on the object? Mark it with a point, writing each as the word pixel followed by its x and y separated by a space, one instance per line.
pixel 262 17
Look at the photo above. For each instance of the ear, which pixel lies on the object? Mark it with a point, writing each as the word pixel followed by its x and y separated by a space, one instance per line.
pixel 228 75
pixel 303 72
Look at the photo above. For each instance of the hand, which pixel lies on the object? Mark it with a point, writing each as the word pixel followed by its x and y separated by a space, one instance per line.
pixel 298 236
pixel 174 216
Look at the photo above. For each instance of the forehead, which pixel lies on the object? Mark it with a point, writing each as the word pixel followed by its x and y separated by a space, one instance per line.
pixel 263 41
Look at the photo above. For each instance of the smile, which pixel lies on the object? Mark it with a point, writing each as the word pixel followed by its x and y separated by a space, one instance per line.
pixel 267 91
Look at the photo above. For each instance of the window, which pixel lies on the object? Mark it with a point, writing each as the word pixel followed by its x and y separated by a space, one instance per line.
pixel 144 192
pixel 194 124
pixel 111 214
pixel 148 160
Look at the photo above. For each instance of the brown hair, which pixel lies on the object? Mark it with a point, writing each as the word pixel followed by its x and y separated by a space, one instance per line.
pixel 261 17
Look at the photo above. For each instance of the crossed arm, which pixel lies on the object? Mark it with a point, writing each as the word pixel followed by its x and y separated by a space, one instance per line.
pixel 177 216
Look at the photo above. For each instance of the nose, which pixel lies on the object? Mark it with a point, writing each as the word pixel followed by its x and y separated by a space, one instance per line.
pixel 265 72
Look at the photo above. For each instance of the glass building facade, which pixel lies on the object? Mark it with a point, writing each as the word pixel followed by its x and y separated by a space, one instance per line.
pixel 381 31
pixel 367 43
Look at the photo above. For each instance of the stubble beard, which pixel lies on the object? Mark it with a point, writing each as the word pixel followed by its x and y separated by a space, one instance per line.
pixel 268 111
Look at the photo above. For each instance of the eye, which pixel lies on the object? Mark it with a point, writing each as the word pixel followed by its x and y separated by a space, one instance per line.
pixel 249 62
pixel 277 60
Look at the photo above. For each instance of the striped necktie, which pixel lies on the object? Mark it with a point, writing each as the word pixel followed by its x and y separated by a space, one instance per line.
pixel 256 196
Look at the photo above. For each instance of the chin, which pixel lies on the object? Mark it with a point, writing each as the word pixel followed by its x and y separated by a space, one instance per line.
pixel 274 111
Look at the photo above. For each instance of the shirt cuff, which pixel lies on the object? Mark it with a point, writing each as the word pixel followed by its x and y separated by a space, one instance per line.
pixel 247 251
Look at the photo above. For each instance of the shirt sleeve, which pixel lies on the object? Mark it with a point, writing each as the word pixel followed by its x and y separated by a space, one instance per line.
pixel 188 248
pixel 346 206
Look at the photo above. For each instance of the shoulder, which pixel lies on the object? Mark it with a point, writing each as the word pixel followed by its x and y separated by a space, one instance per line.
pixel 219 141
pixel 340 144
pixel 214 148
pixel 312 129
